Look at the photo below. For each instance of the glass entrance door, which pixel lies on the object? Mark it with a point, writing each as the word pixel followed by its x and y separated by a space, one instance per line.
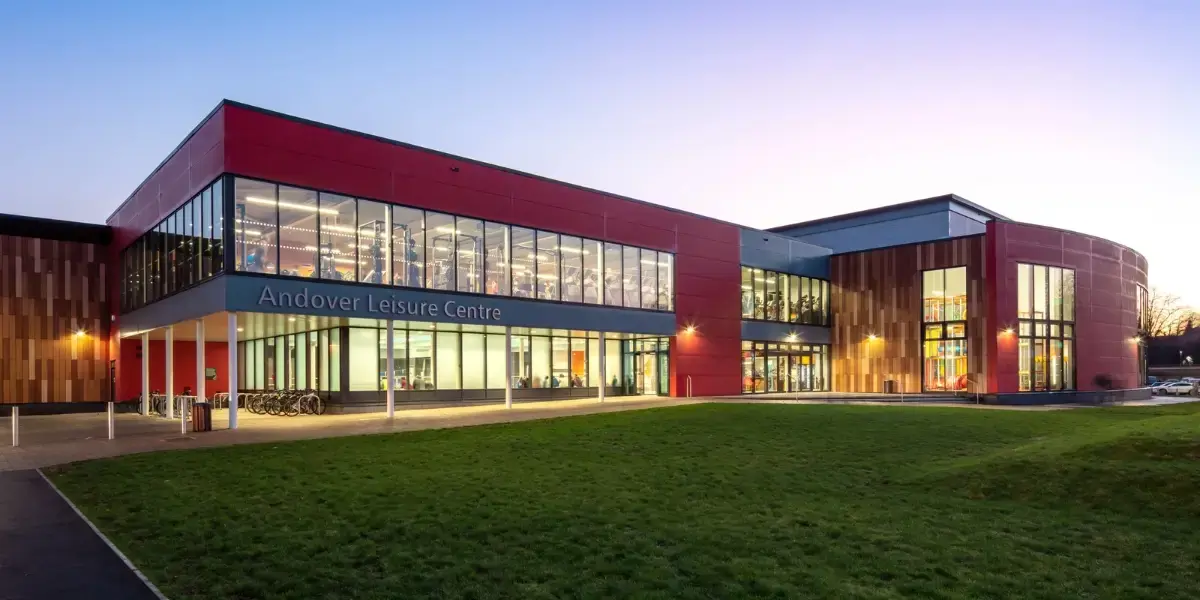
pixel 664 373
pixel 647 380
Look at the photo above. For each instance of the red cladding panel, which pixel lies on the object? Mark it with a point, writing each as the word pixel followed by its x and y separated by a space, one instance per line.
pixel 272 147
pixel 129 381
pixel 1106 275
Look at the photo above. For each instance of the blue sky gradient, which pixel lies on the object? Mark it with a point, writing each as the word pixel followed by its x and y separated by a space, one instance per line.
pixel 1083 115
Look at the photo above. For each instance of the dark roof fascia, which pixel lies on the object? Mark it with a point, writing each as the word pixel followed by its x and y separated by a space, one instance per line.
pixel 55 229
pixel 883 209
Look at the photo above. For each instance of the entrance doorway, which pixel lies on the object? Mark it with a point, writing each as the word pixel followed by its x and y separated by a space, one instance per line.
pixel 647 366
pixel 776 368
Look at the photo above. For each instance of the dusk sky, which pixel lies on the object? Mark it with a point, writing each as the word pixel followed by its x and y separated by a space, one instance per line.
pixel 1082 115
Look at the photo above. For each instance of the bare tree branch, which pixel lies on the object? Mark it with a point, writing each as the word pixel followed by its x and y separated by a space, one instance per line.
pixel 1166 314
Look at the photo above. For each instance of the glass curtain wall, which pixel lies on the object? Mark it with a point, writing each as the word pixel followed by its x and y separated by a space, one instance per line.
pixel 282 230
pixel 298 361
pixel 944 330
pixel 1046 328
pixel 769 367
pixel 184 249
pixel 784 298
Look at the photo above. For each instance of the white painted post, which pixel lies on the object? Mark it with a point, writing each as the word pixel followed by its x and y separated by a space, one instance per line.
pixel 603 375
pixel 170 371
pixel 15 417
pixel 231 341
pixel 183 415
pixel 200 396
pixel 146 374
pixel 508 367
pixel 391 371
pixel 112 430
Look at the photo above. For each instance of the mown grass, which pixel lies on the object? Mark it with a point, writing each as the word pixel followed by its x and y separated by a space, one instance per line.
pixel 707 501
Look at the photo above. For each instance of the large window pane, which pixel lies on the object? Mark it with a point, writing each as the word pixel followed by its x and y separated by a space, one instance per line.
pixel 470 255
pixel 521 355
pixel 524 267
pixel 181 253
pixel 254 231
pixel 399 358
pixel 771 293
pixel 593 367
pixel 747 293
pixel 189 235
pixel 439 260
pixel 571 249
pixel 374 227
pixel 339 239
pixel 448 361
pixel 204 234
pixel 364 359
pixel 540 362
pixel 578 363
pixel 825 303
pixel 1055 274
pixel 632 278
pixel 612 274
pixel 547 265
pixel 1068 295
pixel 560 362
pixel 592 251
pixel 420 359
pixel 1039 293
pixel 408 246
pixel 297 232
pixel 496 355
pixel 666 281
pixel 760 300
pixel 1024 291
pixel 934 295
pixel 956 294
pixel 473 367
pixel 612 363
pixel 496 260
pixel 649 285
pixel 217 230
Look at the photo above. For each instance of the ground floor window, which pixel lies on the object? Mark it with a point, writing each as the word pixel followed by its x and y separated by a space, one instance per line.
pixel 771 367
pixel 944 356
pixel 309 360
pixel 1045 356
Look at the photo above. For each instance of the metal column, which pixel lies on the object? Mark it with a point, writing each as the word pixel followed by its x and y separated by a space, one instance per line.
pixel 603 375
pixel 231 341
pixel 508 367
pixel 170 353
pixel 200 366
pixel 146 374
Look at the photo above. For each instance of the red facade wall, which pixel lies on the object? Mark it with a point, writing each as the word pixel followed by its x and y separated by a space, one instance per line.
pixel 267 146
pixel 216 356
pixel 1105 314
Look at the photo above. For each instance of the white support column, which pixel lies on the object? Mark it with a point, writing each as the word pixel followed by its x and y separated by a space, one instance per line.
pixel 231 341
pixel 200 395
pixel 146 374
pixel 112 430
pixel 508 375
pixel 183 415
pixel 603 375
pixel 15 417
pixel 391 370
pixel 170 366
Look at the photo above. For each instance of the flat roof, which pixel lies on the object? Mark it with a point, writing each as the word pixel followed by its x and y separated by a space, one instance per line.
pixel 54 229
pixel 891 207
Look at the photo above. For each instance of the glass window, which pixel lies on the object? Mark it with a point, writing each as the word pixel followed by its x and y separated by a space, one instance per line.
pixel 560 362
pixel 181 253
pixel 204 233
pixel 172 253
pixel 420 360
pixel 944 351
pixel 571 249
pixel 188 220
pixel 470 256
pixel 217 227
pixel 1055 293
pixel 448 362
pixel 297 232
pixel 760 301
pixel 399 358
pixel 1045 347
pixel 747 293
pixel 593 363
pixel 649 286
pixel 254 227
pixel 934 295
pixel 666 281
pixel 473 361
pixel 364 359
pixel 522 371
pixel 825 303
pixel 771 293
pixel 1039 293
pixel 632 278
pixel 524 268
pixel 496 354
pixel 547 265
pixel 439 260
pixel 339 242
pixel 540 362
pixel 612 362
pixel 592 251
pixel 496 260
pixel 1024 293
pixel 1068 294
pixel 612 274
pixel 408 246
pixel 374 247
pixel 578 363
pixel 956 294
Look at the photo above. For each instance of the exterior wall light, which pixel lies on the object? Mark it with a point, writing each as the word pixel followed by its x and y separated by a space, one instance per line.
pixel 1008 331
pixel 689 329
pixel 1137 339
pixel 872 337
pixel 80 333
pixel 791 337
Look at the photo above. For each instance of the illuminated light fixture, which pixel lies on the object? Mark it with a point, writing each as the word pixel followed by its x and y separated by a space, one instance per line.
pixel 240 329
pixel 791 337
pixel 546 276
pixel 248 231
pixel 80 333
pixel 291 205
pixel 1008 330
pixel 446 229
pixel 689 329
pixel 1136 339
pixel 872 337
pixel 570 250
pixel 747 288
pixel 291 319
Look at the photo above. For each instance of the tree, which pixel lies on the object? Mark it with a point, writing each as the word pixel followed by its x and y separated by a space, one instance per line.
pixel 1167 315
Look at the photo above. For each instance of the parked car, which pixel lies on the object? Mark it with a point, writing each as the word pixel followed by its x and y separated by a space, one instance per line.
pixel 1178 388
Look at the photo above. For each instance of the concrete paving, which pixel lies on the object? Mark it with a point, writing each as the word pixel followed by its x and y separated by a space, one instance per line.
pixel 48 552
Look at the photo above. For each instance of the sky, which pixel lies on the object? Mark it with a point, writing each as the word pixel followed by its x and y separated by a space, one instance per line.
pixel 1082 115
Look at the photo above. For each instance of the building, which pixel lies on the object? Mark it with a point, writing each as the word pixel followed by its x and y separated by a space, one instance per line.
pixel 271 252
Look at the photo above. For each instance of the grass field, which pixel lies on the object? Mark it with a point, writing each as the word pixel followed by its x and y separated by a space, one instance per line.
pixel 703 501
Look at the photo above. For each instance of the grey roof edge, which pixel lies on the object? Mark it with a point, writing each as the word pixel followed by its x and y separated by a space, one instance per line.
pixel 890 207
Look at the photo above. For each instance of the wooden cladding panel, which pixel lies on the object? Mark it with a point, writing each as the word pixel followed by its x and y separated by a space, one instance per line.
pixel 49 291
pixel 879 292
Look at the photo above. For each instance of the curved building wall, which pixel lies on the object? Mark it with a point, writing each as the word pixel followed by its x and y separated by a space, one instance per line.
pixel 1106 279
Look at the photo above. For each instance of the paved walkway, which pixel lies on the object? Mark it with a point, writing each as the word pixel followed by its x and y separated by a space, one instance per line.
pixel 48 552
pixel 58 439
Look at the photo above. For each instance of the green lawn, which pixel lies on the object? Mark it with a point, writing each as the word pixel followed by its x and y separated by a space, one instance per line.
pixel 704 501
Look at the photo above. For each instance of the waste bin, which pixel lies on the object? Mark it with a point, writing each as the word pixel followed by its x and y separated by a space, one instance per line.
pixel 201 416
pixel 889 386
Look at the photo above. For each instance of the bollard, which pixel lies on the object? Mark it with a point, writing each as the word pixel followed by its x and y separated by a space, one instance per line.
pixel 112 433
pixel 14 416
